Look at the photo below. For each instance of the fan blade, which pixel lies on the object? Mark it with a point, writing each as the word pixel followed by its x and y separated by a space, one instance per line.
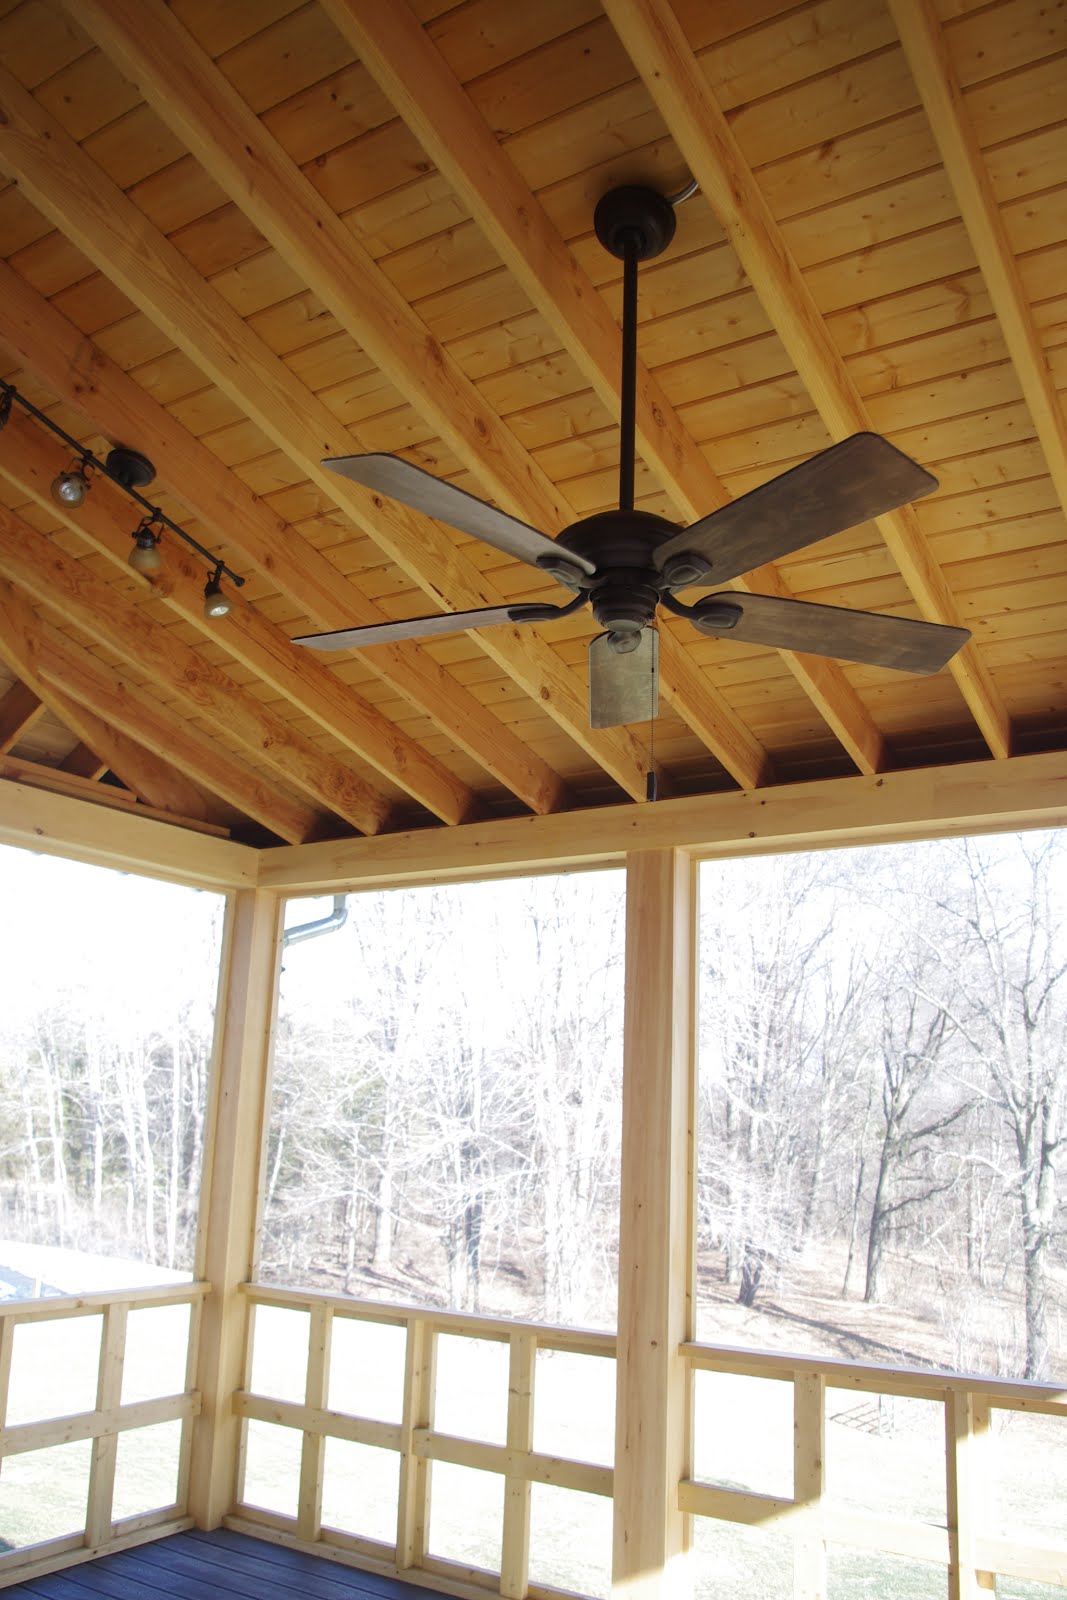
pixel 435 498
pixel 865 636
pixel 424 627
pixel 859 478
pixel 623 687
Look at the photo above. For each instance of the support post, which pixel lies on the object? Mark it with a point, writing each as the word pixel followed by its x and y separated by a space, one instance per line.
pixel 966 1433
pixel 650 1560
pixel 809 1481
pixel 515 1546
pixel 231 1187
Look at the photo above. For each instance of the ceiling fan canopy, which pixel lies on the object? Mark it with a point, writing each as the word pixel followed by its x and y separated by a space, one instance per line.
pixel 627 563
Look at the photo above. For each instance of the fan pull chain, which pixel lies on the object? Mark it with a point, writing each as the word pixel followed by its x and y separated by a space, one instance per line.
pixel 651 781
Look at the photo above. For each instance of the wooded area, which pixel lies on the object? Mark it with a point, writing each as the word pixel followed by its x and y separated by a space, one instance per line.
pixel 882 1091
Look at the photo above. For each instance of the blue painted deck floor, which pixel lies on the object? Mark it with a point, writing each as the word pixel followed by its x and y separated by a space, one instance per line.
pixel 214 1566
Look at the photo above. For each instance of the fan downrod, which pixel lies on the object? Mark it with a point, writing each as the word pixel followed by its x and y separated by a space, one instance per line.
pixel 634 218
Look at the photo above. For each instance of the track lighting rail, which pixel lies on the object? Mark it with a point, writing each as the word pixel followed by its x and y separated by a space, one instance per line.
pixel 86 459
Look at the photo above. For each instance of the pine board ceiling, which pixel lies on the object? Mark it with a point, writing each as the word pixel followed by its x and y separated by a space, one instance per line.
pixel 240 235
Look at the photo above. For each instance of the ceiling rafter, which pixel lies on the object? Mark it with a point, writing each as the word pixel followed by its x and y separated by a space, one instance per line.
pixel 58 781
pixel 107 615
pixel 656 44
pixel 100 707
pixel 418 82
pixel 931 67
pixel 83 375
pixel 84 763
pixel 30 460
pixel 20 708
pixel 78 198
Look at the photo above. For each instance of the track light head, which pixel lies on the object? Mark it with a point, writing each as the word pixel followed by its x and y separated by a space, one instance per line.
pixel 216 602
pixel 70 488
pixel 145 557
pixel 5 407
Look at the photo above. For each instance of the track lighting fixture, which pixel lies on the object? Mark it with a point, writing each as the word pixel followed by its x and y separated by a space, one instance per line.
pixel 70 488
pixel 131 472
pixel 145 557
pixel 216 602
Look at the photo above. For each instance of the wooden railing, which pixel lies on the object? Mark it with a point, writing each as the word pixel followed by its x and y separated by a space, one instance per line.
pixel 961 1541
pixel 104 1424
pixel 418 1442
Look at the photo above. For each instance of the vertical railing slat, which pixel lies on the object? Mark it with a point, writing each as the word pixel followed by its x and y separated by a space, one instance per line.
pixel 515 1545
pixel 809 1482
pixel 104 1456
pixel 413 1508
pixel 313 1450
pixel 185 1449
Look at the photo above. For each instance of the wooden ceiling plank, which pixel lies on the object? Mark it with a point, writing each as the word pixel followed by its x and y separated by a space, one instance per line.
pixel 106 614
pixel 150 46
pixel 30 460
pixel 125 729
pixel 935 78
pixel 293 417
pixel 85 377
pixel 464 148
pixel 20 708
pixel 38 776
pixel 661 53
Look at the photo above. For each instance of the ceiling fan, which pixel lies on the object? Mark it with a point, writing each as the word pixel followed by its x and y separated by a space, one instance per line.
pixel 626 563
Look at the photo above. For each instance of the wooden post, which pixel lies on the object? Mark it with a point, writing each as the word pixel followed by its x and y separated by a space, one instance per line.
pixel 809 1481
pixel 105 1449
pixel 313 1449
pixel 966 1431
pixel 231 1185
pixel 413 1510
pixel 650 1561
pixel 515 1546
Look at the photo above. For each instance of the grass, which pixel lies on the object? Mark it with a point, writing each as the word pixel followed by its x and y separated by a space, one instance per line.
pixel 743 1439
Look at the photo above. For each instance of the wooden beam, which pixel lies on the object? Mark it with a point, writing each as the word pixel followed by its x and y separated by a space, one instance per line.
pixel 397 50
pixel 105 614
pixel 931 66
pixel 230 1187
pixel 30 460
pixel 156 779
pixel 97 794
pixel 84 763
pixel 88 695
pixel 650 1555
pixel 62 182
pixel 30 647
pixel 57 825
pixel 931 803
pixel 81 374
pixel 661 53
pixel 20 708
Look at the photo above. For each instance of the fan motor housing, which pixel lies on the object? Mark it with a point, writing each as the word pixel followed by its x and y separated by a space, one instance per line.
pixel 613 539
pixel 626 587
